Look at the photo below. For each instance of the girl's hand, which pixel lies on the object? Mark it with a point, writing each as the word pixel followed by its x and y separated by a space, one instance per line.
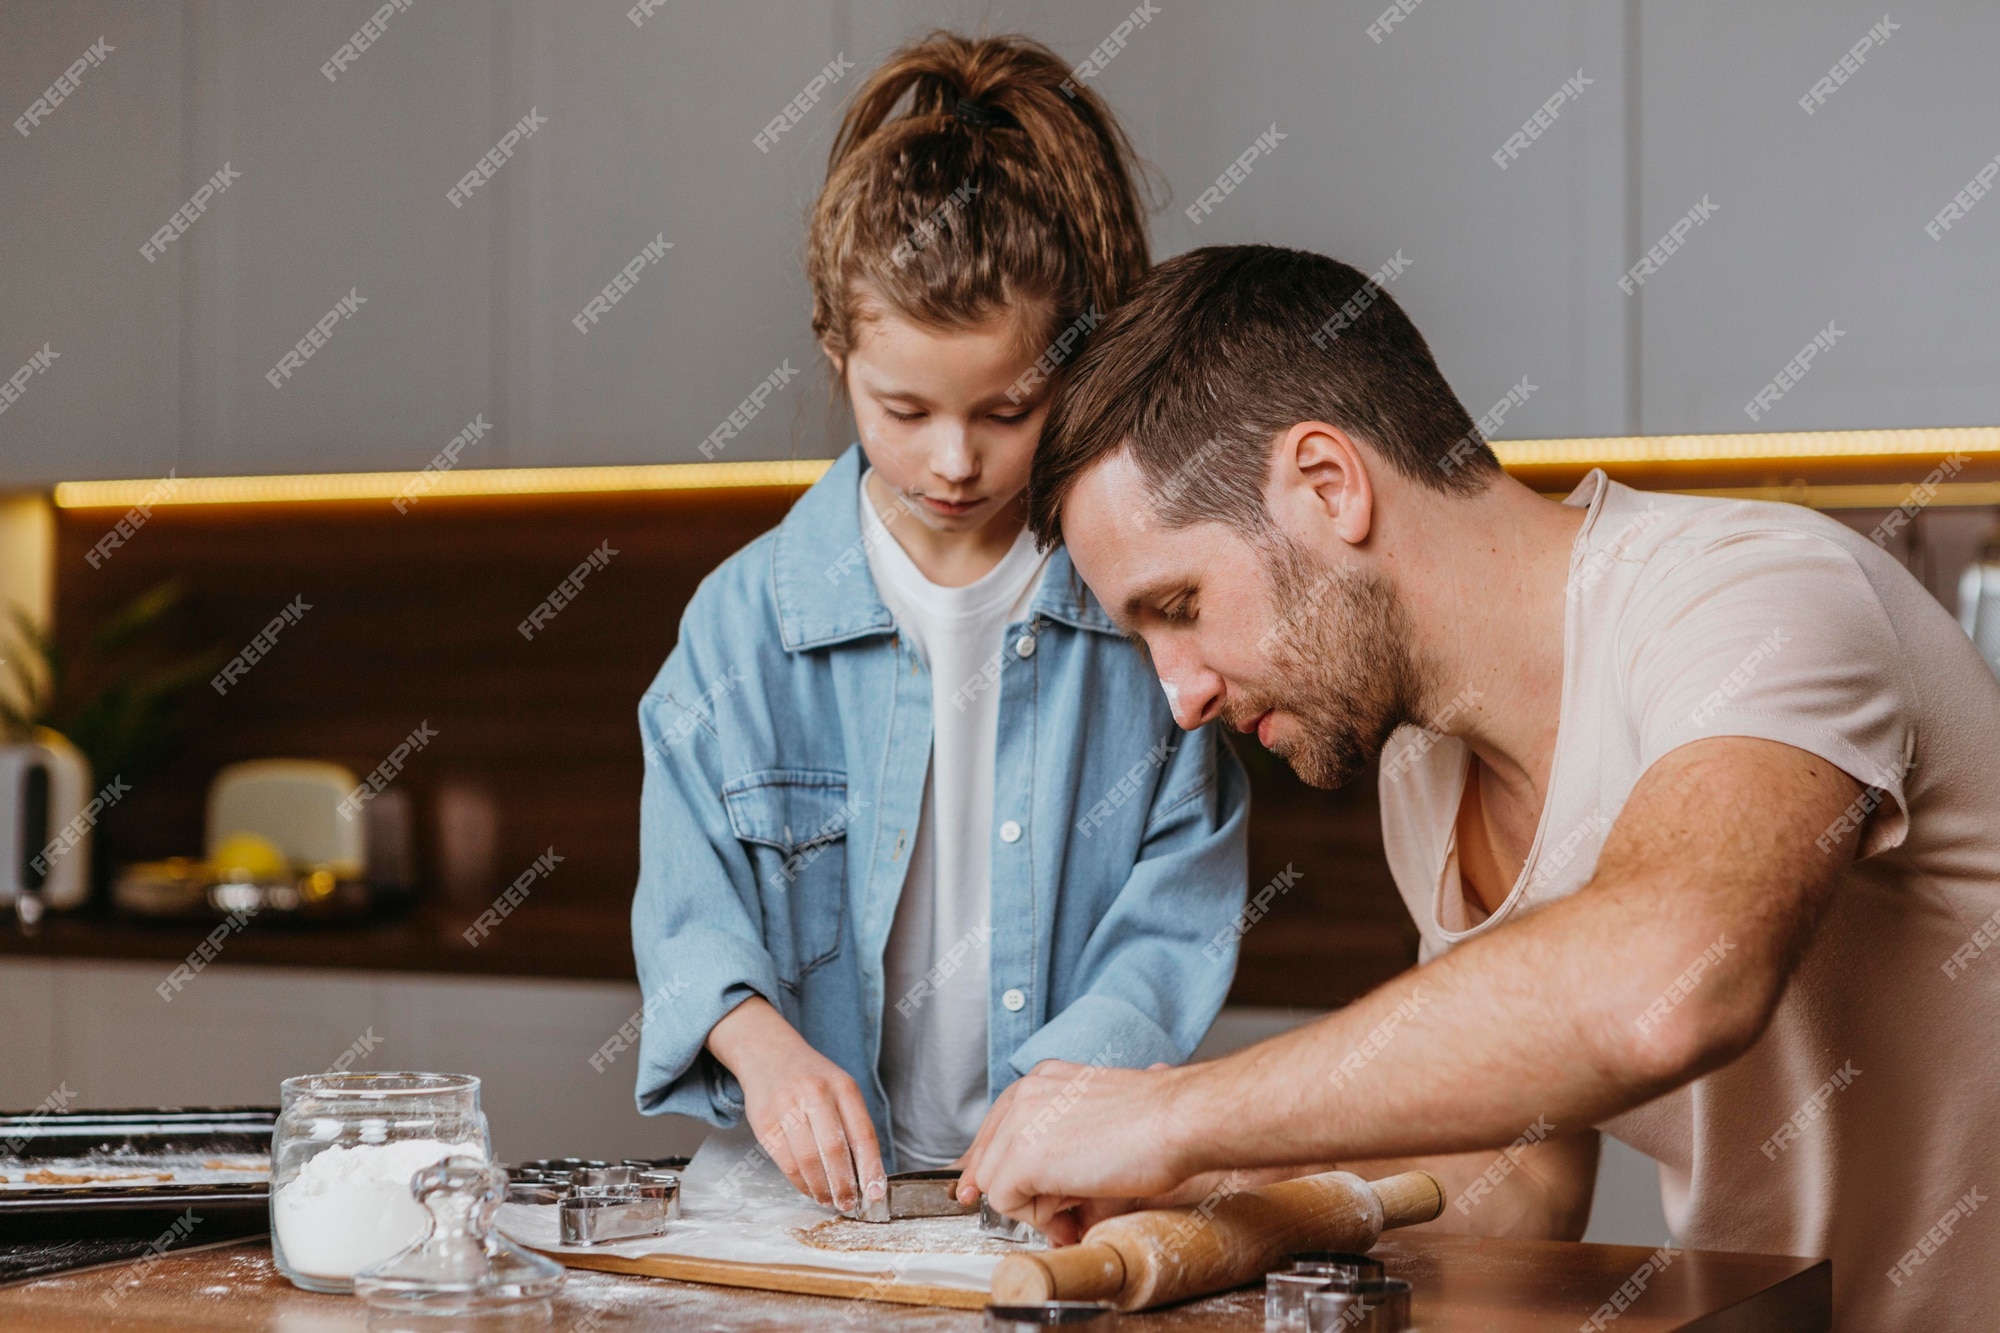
pixel 806 1111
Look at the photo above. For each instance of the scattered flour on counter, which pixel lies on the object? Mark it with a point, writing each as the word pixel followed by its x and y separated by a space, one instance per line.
pixel 351 1207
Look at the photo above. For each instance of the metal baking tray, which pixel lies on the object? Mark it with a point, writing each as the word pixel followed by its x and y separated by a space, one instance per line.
pixel 134 1140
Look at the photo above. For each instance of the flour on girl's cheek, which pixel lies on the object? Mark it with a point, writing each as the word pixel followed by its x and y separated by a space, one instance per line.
pixel 1173 696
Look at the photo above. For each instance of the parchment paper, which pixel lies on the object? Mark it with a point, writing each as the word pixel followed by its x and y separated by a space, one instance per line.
pixel 736 1205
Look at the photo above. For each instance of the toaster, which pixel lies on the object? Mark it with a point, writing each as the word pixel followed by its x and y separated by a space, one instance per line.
pixel 295 805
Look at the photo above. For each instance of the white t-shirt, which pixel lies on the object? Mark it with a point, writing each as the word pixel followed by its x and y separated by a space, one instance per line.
pixel 934 1045
pixel 1864 1124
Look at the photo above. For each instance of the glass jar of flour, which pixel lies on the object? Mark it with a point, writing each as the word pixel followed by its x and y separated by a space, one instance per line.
pixel 345 1148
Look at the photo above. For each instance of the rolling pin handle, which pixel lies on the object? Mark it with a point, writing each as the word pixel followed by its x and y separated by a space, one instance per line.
pixel 1409 1198
pixel 1074 1273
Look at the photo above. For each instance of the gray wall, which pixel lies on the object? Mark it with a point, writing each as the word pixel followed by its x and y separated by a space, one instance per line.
pixel 1388 147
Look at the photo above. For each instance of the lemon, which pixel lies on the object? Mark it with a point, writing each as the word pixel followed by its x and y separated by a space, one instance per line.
pixel 248 856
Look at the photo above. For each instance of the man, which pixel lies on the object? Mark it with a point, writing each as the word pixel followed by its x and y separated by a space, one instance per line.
pixel 1692 801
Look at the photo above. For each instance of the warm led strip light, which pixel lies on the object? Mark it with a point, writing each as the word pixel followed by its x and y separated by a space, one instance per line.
pixel 1973 441
pixel 1950 494
pixel 436 485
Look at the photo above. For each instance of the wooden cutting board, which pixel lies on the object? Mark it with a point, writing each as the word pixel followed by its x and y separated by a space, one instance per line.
pixel 883 1286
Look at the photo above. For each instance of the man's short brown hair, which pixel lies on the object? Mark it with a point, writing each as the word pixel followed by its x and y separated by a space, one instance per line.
pixel 1221 350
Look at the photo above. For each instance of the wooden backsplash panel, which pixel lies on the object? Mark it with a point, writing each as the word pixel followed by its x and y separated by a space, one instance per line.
pixel 413 618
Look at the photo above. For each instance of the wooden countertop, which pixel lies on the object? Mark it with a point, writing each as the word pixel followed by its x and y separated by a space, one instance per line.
pixel 550 938
pixel 1462 1285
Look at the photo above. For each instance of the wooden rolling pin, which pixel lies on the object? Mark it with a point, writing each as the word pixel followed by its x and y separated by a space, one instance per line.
pixel 1139 1260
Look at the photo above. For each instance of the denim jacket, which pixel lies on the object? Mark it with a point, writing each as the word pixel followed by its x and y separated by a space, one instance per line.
pixel 787 740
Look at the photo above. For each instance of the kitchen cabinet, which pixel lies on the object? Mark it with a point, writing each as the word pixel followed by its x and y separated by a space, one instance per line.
pixel 653 137
pixel 1382 143
pixel 1389 151
pixel 79 194
pixel 342 198
pixel 1820 218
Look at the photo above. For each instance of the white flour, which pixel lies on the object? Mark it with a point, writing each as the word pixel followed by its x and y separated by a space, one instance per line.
pixel 351 1207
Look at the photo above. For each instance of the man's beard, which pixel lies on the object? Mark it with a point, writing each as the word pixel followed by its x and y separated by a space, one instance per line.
pixel 1341 649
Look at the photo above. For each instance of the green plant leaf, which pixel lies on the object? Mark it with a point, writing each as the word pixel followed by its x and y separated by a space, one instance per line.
pixel 120 705
pixel 137 616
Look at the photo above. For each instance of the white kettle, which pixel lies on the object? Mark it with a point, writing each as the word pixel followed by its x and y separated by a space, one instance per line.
pixel 44 836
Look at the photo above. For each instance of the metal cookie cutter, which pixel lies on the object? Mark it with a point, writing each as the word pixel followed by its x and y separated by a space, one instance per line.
pixel 600 1211
pixel 994 1223
pixel 600 1219
pixel 598 1202
pixel 917 1194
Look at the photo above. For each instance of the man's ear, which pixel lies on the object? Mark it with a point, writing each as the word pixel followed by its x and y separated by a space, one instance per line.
pixel 1320 483
pixel 835 360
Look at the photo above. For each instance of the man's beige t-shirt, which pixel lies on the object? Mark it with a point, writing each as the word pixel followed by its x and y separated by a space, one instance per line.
pixel 1865 1124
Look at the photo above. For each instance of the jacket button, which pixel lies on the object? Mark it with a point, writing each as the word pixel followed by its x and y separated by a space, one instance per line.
pixel 1013 1001
pixel 1010 832
pixel 1025 645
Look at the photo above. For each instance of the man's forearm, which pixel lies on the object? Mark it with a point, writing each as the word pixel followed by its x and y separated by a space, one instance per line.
pixel 1450 1057
pixel 1575 1013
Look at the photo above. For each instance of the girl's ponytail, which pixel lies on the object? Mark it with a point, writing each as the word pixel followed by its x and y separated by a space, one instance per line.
pixel 971 176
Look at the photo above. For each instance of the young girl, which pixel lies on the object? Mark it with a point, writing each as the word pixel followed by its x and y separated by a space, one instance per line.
pixel 916 815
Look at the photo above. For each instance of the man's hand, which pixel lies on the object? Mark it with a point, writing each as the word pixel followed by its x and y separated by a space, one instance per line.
pixel 1100 1132
pixel 1065 1225
pixel 806 1111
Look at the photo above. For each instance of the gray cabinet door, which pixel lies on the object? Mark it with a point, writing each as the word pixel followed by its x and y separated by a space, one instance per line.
pixel 338 244
pixel 96 172
pixel 1824 179
pixel 660 197
pixel 1391 135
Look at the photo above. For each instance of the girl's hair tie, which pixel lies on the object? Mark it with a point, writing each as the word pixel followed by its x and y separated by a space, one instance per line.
pixel 981 116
